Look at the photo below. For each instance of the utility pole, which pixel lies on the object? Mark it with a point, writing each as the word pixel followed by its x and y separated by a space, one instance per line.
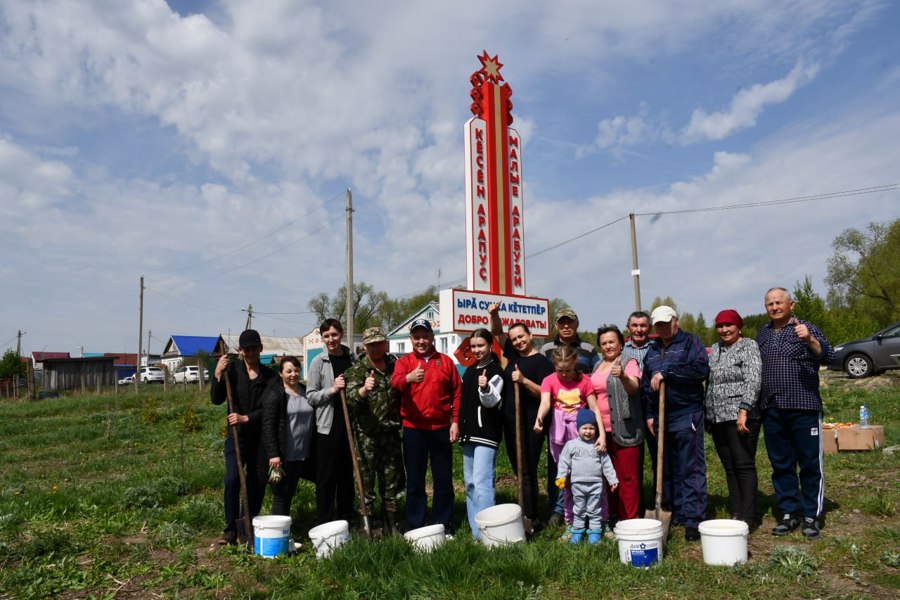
pixel 635 271
pixel 18 360
pixel 350 270
pixel 137 370
pixel 249 311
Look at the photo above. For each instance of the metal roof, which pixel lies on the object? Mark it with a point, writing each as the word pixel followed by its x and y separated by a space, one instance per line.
pixel 277 346
pixel 189 345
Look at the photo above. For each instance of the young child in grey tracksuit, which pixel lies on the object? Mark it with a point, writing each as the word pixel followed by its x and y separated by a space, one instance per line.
pixel 586 468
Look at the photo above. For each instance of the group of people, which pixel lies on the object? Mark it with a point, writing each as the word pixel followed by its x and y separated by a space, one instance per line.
pixel 596 410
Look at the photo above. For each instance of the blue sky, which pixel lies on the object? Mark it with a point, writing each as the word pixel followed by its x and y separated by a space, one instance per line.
pixel 207 146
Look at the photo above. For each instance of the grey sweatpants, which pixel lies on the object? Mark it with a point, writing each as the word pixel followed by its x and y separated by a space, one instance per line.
pixel 587 499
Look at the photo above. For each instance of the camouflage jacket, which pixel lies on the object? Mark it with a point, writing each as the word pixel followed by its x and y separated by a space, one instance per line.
pixel 381 408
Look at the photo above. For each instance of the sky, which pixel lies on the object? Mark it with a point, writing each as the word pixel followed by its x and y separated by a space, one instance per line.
pixel 208 146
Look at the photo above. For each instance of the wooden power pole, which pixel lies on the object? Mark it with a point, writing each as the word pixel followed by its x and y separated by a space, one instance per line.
pixel 635 271
pixel 137 369
pixel 350 294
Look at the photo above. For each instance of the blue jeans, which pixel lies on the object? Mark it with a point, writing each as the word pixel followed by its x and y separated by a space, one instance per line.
pixel 794 442
pixel 420 445
pixel 479 465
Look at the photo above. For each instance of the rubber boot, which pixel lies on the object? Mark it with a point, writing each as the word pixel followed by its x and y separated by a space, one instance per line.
pixel 594 536
pixel 577 536
pixel 390 523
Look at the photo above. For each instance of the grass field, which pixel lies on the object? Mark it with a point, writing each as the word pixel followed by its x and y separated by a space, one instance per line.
pixel 120 497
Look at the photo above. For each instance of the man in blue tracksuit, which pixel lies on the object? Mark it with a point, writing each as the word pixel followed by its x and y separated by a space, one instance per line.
pixel 679 359
pixel 792 351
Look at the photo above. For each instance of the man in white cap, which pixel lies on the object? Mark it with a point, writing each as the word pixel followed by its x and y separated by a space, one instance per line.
pixel 680 360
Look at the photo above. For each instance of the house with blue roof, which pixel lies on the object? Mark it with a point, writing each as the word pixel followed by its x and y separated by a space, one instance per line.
pixel 182 347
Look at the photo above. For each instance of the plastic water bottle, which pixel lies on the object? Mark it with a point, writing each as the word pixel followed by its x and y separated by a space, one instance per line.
pixel 864 417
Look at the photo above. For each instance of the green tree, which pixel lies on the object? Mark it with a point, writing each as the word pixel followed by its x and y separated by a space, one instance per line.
pixel 864 272
pixel 367 305
pixel 396 310
pixel 11 365
pixel 810 306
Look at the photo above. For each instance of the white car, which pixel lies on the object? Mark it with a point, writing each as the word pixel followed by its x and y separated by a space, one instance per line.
pixel 126 380
pixel 190 374
pixel 152 375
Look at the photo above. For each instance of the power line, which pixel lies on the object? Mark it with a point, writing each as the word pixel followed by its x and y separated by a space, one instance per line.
pixel 824 196
pixel 827 196
pixel 577 237
pixel 256 241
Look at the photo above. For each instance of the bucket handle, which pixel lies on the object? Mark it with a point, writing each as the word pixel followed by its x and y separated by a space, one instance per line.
pixel 484 532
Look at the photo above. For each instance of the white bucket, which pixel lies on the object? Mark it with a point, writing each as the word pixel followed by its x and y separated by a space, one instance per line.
pixel 724 541
pixel 271 535
pixel 500 525
pixel 328 536
pixel 427 538
pixel 640 541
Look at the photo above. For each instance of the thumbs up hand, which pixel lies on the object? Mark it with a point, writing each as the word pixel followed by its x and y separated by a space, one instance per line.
pixel 417 375
pixel 482 379
pixel 369 385
pixel 616 369
pixel 517 375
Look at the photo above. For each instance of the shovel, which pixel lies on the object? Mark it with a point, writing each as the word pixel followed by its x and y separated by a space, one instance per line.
pixel 520 463
pixel 663 516
pixel 355 460
pixel 242 527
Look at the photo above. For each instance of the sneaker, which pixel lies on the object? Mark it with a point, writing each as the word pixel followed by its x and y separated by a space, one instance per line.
pixel 788 524
pixel 229 537
pixel 691 534
pixel 567 534
pixel 594 536
pixel 577 536
pixel 811 529
pixel 556 519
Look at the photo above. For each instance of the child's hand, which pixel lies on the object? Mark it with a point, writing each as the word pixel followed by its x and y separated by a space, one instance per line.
pixel 561 483
pixel 538 425
pixel 613 487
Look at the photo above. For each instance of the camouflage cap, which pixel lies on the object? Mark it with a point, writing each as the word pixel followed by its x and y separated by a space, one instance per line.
pixel 373 334
pixel 566 313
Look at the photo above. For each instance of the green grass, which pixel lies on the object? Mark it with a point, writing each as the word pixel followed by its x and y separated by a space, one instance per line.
pixel 120 496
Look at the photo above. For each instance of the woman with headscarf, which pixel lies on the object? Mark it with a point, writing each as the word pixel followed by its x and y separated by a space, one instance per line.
pixel 734 382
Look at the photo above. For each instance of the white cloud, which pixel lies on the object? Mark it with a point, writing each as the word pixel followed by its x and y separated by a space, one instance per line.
pixel 270 110
pixel 746 106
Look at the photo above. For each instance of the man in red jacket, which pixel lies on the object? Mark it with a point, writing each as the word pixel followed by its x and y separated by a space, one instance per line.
pixel 430 389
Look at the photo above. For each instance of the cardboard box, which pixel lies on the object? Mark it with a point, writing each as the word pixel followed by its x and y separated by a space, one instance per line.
pixel 829 441
pixel 855 438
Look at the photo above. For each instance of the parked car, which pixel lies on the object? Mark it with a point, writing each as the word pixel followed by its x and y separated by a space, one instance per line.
pixel 190 374
pixel 126 380
pixel 869 356
pixel 152 375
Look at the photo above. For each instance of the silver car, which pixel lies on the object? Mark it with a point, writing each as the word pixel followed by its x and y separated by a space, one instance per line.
pixel 869 356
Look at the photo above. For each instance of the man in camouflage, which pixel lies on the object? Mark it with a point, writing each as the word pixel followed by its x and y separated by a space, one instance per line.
pixel 374 408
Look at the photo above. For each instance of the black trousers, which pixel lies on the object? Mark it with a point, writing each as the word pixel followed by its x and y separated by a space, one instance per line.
pixel 256 487
pixel 334 473
pixel 532 444
pixel 737 451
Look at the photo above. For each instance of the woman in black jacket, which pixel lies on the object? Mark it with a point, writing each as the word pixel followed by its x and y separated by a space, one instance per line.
pixel 288 431
pixel 480 424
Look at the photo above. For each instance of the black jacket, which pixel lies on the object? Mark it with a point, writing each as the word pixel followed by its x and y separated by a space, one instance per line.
pixel 246 394
pixel 479 424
